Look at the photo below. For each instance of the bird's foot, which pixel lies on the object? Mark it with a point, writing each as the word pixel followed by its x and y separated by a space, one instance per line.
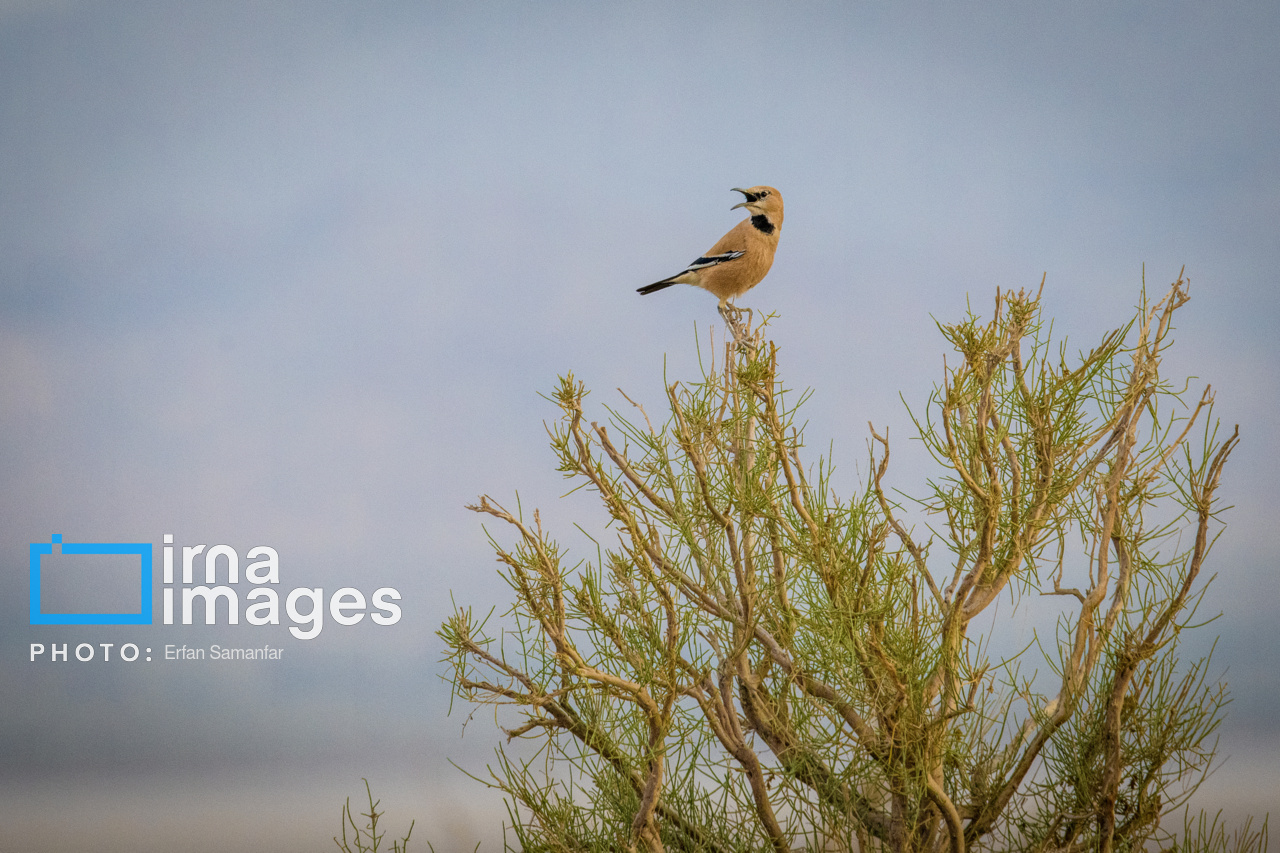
pixel 733 319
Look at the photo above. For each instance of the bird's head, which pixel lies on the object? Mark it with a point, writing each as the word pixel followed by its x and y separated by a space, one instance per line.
pixel 762 201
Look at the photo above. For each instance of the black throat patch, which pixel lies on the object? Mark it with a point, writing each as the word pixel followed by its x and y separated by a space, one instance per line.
pixel 762 223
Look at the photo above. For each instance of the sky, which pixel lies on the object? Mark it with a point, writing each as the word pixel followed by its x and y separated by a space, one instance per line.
pixel 296 274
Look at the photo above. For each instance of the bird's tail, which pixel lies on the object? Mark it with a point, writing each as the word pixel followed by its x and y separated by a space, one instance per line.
pixel 656 286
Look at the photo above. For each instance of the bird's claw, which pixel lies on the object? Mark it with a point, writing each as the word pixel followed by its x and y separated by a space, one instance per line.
pixel 732 316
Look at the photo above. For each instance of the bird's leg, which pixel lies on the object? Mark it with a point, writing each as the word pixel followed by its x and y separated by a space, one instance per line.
pixel 727 313
pixel 732 315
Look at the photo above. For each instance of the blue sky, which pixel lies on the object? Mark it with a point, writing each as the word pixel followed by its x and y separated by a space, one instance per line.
pixel 294 274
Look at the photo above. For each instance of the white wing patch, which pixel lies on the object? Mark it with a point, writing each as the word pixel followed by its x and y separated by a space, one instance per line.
pixel 713 260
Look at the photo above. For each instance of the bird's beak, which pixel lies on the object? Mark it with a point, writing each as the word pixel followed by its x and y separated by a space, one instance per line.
pixel 741 204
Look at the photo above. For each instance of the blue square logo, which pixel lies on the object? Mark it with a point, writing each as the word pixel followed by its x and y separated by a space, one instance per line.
pixel 63 614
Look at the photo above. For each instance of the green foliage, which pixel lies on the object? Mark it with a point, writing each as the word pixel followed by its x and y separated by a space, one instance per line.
pixel 367 838
pixel 752 662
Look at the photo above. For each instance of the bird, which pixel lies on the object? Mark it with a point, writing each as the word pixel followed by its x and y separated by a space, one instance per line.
pixel 740 259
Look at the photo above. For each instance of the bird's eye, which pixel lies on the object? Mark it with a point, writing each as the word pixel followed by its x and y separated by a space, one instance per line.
pixel 763 194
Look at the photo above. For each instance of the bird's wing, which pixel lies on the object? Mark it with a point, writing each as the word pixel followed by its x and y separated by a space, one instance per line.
pixel 713 260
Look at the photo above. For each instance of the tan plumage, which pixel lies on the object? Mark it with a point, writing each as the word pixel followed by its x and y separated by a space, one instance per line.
pixel 741 258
